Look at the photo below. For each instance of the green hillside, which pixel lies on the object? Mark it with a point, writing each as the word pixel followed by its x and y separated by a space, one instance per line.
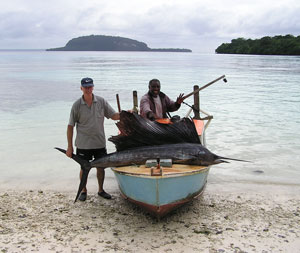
pixel 110 43
pixel 277 45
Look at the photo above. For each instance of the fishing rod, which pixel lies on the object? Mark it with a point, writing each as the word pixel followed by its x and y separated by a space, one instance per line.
pixel 205 86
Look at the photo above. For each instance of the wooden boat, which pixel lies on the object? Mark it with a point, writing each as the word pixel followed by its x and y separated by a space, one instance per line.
pixel 161 189
pixel 162 192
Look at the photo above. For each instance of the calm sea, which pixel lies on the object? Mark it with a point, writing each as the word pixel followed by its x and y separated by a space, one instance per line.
pixel 256 113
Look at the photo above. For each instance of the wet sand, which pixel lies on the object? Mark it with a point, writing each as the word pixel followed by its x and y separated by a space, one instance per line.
pixel 262 220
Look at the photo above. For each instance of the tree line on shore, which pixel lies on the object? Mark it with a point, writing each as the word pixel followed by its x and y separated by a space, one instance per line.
pixel 277 45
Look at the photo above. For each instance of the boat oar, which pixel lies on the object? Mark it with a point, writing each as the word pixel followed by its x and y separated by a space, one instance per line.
pixel 205 86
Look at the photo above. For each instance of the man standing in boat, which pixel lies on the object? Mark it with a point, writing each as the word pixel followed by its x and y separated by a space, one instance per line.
pixel 155 104
pixel 88 114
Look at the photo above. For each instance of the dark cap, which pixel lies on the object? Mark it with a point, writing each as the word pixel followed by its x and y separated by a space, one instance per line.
pixel 87 82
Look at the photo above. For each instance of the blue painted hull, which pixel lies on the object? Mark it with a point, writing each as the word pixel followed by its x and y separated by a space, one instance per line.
pixel 161 194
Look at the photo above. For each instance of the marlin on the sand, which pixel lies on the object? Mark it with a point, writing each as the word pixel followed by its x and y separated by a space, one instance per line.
pixel 180 153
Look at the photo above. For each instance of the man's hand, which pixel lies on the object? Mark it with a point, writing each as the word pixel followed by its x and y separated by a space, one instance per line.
pixel 151 116
pixel 69 152
pixel 179 100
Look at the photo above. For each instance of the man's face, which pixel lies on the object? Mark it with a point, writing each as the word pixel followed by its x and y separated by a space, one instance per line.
pixel 87 90
pixel 154 88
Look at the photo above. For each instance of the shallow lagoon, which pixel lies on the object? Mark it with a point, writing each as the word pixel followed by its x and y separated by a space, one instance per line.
pixel 256 114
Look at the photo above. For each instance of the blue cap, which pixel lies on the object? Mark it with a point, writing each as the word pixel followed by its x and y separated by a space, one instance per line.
pixel 87 82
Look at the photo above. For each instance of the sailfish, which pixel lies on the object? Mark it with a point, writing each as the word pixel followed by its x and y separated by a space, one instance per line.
pixel 141 139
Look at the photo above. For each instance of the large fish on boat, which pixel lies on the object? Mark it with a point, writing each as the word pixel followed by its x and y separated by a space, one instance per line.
pixel 181 153
pixel 136 131
pixel 139 141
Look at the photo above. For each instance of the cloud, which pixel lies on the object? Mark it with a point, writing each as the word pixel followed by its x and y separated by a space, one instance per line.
pixel 169 23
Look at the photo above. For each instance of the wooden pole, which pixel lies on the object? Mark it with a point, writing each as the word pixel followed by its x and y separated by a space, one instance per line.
pixel 196 102
pixel 135 101
pixel 118 102
pixel 206 85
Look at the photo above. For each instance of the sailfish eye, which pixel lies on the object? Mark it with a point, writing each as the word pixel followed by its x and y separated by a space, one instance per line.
pixel 201 153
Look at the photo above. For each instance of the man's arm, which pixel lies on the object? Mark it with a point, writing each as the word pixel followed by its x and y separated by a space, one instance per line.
pixel 70 140
pixel 116 116
pixel 145 109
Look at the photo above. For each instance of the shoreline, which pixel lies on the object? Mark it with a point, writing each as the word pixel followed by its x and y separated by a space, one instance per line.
pixel 265 219
pixel 68 181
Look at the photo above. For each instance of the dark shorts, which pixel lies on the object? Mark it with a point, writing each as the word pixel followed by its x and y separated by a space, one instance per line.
pixel 91 154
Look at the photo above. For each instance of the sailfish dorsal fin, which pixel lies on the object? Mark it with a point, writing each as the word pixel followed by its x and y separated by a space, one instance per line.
pixel 136 131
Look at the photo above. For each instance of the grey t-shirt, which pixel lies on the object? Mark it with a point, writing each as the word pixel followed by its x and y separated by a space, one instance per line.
pixel 89 122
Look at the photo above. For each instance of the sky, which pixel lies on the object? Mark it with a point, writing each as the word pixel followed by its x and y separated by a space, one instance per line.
pixel 200 25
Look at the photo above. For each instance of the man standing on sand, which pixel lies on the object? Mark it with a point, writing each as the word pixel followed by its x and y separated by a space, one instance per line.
pixel 88 114
pixel 155 104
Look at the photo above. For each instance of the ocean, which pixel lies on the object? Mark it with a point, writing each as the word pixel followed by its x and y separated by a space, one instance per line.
pixel 256 113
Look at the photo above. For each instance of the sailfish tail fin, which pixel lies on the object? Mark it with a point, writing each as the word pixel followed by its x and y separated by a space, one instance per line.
pixel 77 158
pixel 85 166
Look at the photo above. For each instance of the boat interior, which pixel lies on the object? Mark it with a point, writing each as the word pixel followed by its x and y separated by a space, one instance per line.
pixel 161 170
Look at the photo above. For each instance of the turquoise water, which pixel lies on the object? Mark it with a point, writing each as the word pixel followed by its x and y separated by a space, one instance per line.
pixel 256 113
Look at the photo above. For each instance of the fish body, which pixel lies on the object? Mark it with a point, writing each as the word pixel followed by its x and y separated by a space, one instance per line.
pixel 187 153
pixel 181 153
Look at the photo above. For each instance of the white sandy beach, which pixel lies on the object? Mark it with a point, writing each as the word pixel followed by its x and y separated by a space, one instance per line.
pixel 264 219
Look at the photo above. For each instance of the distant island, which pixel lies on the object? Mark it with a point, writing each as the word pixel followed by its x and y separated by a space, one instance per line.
pixel 277 45
pixel 111 43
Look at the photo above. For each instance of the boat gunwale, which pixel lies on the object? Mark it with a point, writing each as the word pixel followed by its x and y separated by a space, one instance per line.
pixel 203 169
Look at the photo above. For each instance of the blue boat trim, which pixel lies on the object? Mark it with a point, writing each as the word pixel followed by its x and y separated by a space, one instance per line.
pixel 160 211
